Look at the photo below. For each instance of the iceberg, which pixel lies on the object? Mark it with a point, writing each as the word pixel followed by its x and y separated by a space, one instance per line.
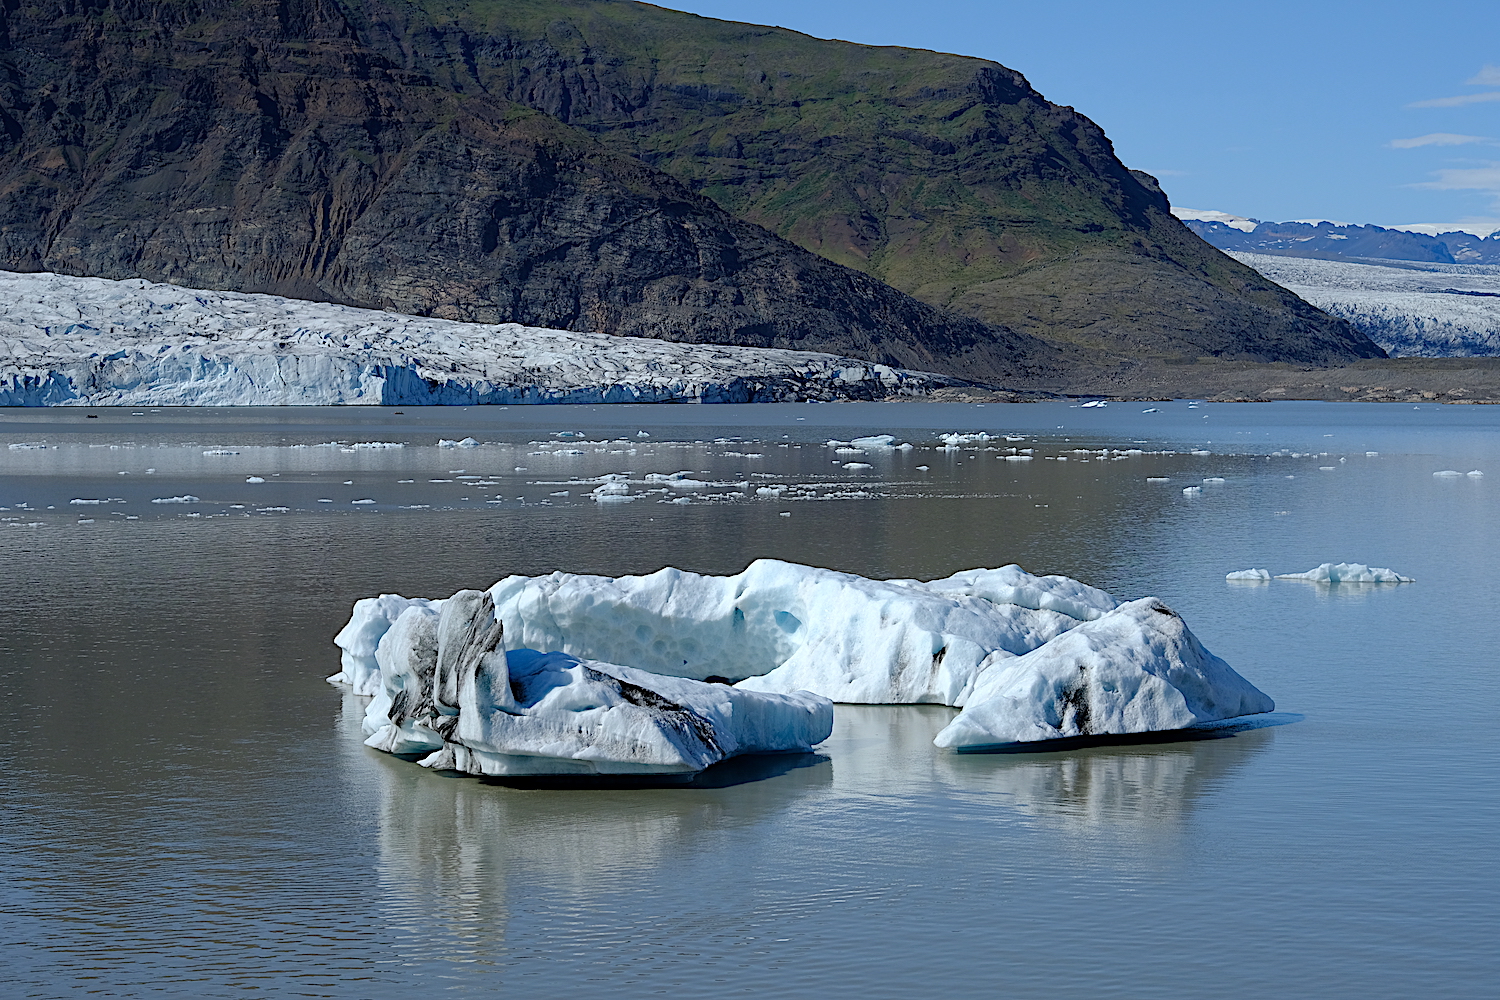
pixel 1256 575
pixel 1137 669
pixel 1347 573
pixel 452 694
pixel 1025 657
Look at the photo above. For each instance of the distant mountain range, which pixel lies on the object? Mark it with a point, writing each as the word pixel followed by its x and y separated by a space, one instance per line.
pixel 1339 241
pixel 610 166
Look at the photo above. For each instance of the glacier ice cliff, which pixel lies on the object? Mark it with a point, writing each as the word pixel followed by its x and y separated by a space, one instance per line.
pixel 98 342
pixel 1025 657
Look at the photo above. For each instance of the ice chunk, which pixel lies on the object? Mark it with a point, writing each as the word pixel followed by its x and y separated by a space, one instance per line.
pixel 1448 474
pixel 372 618
pixel 186 498
pixel 1475 474
pixel 1192 491
pixel 1138 669
pixel 465 443
pixel 1094 403
pixel 254 479
pixel 956 440
pixel 450 691
pixel 1257 575
pixel 855 466
pixel 1347 573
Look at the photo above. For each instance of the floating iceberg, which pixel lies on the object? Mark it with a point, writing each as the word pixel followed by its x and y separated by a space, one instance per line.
pixel 790 631
pixel 1249 574
pixel 1136 670
pixel 1347 573
pixel 450 692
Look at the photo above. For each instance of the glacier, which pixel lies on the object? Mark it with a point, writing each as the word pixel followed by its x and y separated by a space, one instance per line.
pixel 1024 657
pixel 1413 310
pixel 99 342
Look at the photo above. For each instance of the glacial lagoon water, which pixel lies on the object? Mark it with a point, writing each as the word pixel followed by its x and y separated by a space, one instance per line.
pixel 187 809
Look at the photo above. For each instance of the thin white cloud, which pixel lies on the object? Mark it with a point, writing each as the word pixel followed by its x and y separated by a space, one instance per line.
pixel 1438 139
pixel 1487 77
pixel 1459 101
pixel 1485 178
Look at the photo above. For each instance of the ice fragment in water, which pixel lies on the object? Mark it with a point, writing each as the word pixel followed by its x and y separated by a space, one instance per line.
pixel 1448 474
pixel 254 479
pixel 1347 573
pixel 1258 575
pixel 188 498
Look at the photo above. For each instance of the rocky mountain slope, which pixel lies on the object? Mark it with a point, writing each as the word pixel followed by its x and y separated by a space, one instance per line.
pixel 597 165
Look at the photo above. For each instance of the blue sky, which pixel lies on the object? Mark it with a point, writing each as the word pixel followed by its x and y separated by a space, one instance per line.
pixel 1373 112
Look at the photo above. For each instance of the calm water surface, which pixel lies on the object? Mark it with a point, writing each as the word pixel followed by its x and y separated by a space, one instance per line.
pixel 187 809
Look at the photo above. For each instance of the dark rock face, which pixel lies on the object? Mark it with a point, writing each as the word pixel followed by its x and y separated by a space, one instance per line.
pixel 264 147
pixel 947 177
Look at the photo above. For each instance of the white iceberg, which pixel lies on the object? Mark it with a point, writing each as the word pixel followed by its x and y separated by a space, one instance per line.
pixel 785 629
pixel 450 692
pixel 1347 573
pixel 1136 670
pixel 1249 574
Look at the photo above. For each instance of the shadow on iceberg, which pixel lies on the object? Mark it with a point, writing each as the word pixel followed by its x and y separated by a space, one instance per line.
pixel 741 770
pixel 1208 731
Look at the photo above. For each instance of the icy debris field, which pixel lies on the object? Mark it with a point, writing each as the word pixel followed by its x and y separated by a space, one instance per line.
pixel 93 341
pixel 1418 310
pixel 164 462
pixel 670 672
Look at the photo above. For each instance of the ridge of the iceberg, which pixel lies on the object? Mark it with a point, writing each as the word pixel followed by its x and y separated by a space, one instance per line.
pixel 67 341
pixel 1026 657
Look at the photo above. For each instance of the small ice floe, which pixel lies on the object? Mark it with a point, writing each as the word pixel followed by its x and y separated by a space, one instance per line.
pixel 1151 410
pixel 785 513
pixel 254 479
pixel 221 451
pixel 956 440
pixel 1192 491
pixel 1448 474
pixel 82 500
pixel 186 498
pixel 642 434
pixel 1372 454
pixel 365 500
pixel 1347 573
pixel 1093 403
pixel 1250 575
pixel 1327 468
pixel 1201 452
pixel 770 491
pixel 27 446
pixel 856 466
pixel 923 468
pixel 1475 474
pixel 376 445
pixel 879 442
pixel 614 490
pixel 1017 458
pixel 1158 479
pixel 467 442
pixel 324 500
pixel 1215 480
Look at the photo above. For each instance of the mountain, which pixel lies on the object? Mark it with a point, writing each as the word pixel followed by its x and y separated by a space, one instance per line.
pixel 610 166
pixel 1335 240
